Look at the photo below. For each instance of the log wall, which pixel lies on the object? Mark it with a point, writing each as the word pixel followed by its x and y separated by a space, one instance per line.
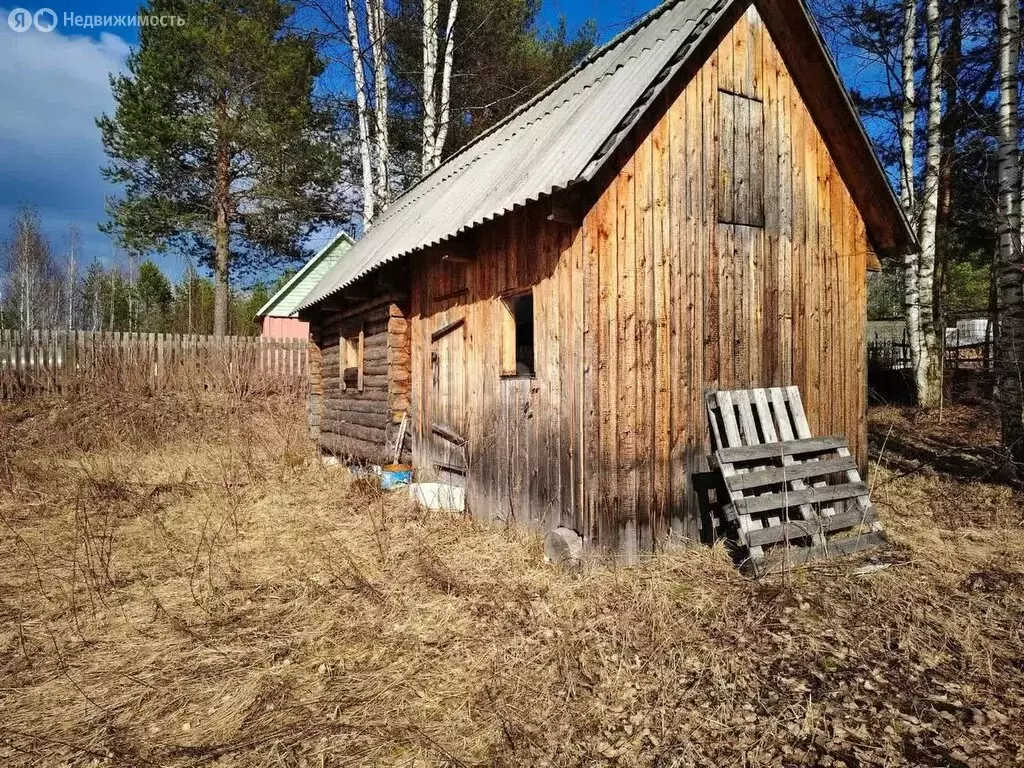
pixel 354 424
pixel 660 295
pixel 316 388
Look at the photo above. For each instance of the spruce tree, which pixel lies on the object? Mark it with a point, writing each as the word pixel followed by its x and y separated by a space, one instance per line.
pixel 218 142
pixel 154 293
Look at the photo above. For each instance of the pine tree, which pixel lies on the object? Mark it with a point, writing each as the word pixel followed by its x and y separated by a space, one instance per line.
pixel 218 142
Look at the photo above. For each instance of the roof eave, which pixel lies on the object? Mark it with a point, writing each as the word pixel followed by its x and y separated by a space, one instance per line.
pixel 901 238
pixel 285 289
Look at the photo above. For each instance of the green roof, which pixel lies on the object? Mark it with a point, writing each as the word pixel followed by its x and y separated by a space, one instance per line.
pixel 285 303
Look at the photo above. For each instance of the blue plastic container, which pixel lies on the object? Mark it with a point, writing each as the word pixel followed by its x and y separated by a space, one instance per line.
pixel 395 476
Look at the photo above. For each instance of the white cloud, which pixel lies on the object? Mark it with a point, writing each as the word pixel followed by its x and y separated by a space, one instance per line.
pixel 54 87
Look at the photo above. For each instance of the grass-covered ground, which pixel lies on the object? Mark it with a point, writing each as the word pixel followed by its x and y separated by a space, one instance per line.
pixel 182 583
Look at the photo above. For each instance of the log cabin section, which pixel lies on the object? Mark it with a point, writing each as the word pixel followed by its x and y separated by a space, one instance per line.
pixel 360 372
pixel 719 248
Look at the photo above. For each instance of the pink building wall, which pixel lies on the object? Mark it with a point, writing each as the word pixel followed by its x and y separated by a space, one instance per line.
pixel 284 328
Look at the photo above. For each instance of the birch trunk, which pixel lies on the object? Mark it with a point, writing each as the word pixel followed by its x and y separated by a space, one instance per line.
pixel 1010 337
pixel 911 261
pixel 73 241
pixel 909 107
pixel 361 113
pixel 446 84
pixel 429 79
pixel 927 368
pixel 375 20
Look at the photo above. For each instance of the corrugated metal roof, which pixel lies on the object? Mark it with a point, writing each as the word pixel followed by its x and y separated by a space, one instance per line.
pixel 560 138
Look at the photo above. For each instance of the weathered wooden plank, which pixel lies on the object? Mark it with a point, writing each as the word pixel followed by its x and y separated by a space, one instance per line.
pixel 775 475
pixel 727 265
pixel 721 403
pixel 346 405
pixel 741 399
pixel 789 557
pixel 790 499
pixel 608 361
pixel 594 231
pixel 448 433
pixel 378 383
pixel 814 528
pixel 626 341
pixel 678 275
pixel 579 364
pixel 743 202
pixel 661 372
pixel 755 147
pixel 334 417
pixel 727 158
pixel 800 447
pixel 644 340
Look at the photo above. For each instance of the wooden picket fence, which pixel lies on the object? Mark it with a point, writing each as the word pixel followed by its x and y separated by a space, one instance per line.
pixel 41 362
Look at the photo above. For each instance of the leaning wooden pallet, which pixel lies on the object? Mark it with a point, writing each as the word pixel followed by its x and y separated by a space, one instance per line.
pixel 791 496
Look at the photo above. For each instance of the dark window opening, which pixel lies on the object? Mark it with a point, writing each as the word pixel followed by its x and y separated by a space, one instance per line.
pixel 518 336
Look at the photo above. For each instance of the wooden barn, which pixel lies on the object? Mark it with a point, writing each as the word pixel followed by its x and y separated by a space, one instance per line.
pixel 695 207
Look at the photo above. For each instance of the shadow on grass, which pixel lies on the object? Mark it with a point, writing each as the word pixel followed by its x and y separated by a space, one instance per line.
pixel 960 442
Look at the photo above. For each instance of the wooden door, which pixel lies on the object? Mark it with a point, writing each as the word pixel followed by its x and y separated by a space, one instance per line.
pixel 448 426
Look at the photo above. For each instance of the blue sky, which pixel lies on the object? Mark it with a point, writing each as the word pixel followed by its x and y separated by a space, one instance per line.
pixel 55 84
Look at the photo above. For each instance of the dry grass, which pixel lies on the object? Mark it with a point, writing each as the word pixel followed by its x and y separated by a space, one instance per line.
pixel 181 583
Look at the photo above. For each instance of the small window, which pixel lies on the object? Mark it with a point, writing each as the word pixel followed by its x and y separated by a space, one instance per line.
pixel 350 361
pixel 517 336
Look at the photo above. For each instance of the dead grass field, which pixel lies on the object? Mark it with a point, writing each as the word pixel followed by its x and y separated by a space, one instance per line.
pixel 181 583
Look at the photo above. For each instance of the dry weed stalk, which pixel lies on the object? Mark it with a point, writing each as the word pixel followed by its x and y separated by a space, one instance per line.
pixel 204 591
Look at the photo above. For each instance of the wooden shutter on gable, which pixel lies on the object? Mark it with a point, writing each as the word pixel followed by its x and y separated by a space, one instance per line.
pixel 741 160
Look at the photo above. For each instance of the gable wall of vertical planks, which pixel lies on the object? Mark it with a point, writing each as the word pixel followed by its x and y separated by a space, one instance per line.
pixel 656 298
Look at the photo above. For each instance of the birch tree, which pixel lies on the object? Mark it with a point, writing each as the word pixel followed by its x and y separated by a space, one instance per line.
pixel 74 243
pixel 912 260
pixel 376 22
pixel 446 85
pixel 907 128
pixel 1010 338
pixel 429 78
pixel 33 279
pixel 435 131
pixel 362 117
pixel 403 79
pixel 924 346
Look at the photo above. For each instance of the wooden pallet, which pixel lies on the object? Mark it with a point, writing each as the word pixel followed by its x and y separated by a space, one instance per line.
pixel 785 488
